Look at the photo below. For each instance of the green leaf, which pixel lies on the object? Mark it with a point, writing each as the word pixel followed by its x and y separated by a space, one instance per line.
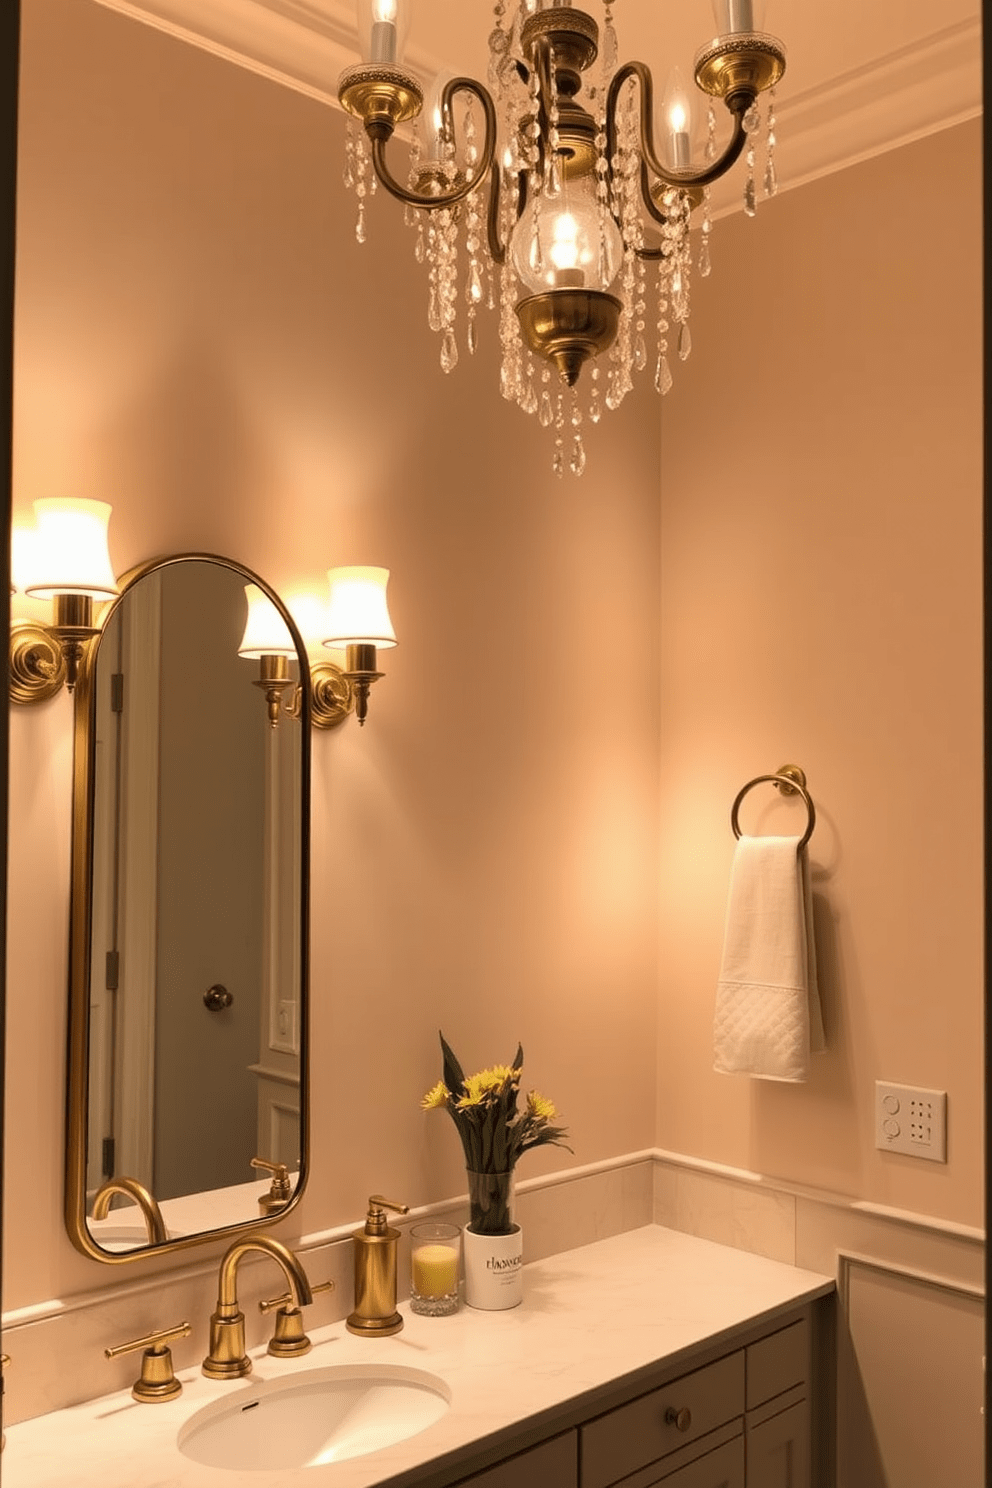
pixel 454 1075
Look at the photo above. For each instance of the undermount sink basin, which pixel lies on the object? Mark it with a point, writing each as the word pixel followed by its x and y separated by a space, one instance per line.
pixel 315 1417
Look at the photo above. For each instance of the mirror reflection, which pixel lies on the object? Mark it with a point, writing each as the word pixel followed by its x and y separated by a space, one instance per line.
pixel 194 921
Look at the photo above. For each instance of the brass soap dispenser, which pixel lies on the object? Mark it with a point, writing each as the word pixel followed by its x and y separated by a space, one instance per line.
pixel 375 1314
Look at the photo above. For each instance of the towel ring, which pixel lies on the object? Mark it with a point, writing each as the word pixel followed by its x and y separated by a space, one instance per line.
pixel 790 780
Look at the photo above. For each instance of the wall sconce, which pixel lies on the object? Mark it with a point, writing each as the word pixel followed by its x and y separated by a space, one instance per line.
pixel 357 623
pixel 65 558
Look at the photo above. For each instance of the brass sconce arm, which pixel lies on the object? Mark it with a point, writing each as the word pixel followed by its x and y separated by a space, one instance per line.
pixel 437 196
pixel 685 180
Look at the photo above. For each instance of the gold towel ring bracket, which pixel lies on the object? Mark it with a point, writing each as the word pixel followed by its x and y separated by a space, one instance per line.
pixel 791 781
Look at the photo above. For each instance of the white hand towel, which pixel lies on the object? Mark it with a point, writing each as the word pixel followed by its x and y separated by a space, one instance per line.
pixel 768 1017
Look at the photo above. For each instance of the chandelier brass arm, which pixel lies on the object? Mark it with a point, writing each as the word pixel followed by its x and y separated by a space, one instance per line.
pixel 380 129
pixel 684 180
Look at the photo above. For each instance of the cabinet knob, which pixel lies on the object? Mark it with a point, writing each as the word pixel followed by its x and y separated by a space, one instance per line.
pixel 680 1419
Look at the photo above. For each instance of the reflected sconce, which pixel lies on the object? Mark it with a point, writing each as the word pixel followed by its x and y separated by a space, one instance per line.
pixel 358 623
pixel 267 640
pixel 64 558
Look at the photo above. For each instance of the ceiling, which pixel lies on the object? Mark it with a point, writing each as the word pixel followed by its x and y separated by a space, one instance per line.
pixel 862 76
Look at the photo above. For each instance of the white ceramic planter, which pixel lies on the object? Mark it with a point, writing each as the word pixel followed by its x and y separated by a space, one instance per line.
pixel 494 1272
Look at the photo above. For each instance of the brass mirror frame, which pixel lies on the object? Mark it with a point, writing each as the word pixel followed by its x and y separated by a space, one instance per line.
pixel 81 903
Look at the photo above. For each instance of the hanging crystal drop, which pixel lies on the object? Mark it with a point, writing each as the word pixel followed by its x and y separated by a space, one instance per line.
pixel 710 151
pixel 420 246
pixel 546 412
pixel 360 223
pixel 449 351
pixel 471 336
pixel 705 266
pixel 771 180
pixel 349 159
pixel 433 309
pixel 558 463
pixel 685 341
pixel 662 376
pixel 578 461
pixel 475 290
pixel 750 200
pixel 640 352
pixel 752 120
pixel 529 400
pixel 609 43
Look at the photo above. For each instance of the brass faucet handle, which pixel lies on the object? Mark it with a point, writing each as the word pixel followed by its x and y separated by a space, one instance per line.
pixel 288 1339
pixel 286 1299
pixel 157 1381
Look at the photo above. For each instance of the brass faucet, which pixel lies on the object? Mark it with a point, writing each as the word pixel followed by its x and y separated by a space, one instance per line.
pixel 146 1202
pixel 227 1358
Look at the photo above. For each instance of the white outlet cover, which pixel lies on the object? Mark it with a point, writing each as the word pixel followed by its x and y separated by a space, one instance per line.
pixel 912 1120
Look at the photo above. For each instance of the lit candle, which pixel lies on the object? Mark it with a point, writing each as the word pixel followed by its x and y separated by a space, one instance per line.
pixel 382 47
pixel 680 137
pixel 434 1270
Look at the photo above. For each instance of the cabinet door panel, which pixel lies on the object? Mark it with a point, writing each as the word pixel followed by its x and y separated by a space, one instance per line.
pixel 778 1450
pixel 634 1435
pixel 723 1468
pixel 777 1362
pixel 554 1464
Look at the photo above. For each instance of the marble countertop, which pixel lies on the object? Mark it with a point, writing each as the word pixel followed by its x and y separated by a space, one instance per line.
pixel 589 1317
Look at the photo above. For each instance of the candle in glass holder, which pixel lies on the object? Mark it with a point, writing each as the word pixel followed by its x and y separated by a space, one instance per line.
pixel 434 1255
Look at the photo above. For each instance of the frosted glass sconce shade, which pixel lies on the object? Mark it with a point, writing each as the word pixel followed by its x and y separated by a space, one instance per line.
pixel 357 613
pixel 266 632
pixel 67 552
pixel 65 558
pixel 358 621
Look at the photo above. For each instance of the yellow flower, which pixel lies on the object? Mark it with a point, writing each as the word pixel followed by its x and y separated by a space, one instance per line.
pixel 492 1079
pixel 436 1097
pixel 538 1105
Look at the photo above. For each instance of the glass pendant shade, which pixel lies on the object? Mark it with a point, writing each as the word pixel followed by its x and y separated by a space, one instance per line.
pixel 67 551
pixel 266 632
pixel 382 28
pixel 734 16
pixel 357 613
pixel 574 246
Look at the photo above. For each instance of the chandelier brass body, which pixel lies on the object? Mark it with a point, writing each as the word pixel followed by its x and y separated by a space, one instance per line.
pixel 736 65
pixel 568 326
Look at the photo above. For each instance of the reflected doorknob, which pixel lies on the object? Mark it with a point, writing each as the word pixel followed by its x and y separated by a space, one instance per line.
pixel 216 998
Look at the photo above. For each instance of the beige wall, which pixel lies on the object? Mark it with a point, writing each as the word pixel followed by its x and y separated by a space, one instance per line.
pixel 821 602
pixel 201 342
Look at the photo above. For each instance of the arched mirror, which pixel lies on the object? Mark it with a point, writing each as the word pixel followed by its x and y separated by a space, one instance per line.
pixel 188 975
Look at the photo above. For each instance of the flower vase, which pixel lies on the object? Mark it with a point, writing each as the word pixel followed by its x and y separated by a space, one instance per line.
pixel 492 1244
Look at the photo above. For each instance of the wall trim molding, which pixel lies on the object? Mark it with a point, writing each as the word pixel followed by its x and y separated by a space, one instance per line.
pixel 848 1259
pixel 916 90
pixel 928 1223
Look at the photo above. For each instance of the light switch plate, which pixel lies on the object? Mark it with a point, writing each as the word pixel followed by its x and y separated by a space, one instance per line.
pixel 911 1120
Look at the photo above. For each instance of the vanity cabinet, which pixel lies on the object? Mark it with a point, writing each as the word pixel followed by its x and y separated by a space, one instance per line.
pixel 740 1420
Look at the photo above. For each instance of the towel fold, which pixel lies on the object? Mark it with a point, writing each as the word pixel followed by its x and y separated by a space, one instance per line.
pixel 768 1017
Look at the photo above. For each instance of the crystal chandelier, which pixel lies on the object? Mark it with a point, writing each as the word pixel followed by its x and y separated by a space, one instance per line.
pixel 569 205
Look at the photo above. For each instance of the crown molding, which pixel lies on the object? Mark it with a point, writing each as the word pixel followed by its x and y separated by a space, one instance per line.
pixel 911 92
pixel 901 97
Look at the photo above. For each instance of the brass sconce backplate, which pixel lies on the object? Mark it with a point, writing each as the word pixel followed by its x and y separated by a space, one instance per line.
pixel 332 697
pixel 37 665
